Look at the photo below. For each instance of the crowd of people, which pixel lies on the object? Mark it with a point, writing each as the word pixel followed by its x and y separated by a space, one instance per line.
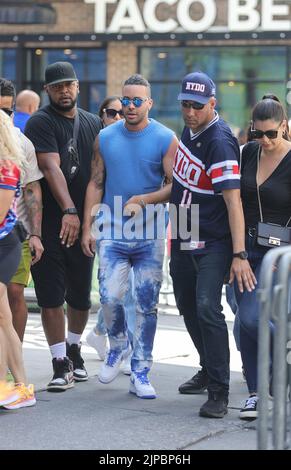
pixel 75 185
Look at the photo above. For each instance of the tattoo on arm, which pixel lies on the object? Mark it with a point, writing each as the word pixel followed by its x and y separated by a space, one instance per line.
pixel 168 180
pixel 97 175
pixel 32 197
pixel 97 168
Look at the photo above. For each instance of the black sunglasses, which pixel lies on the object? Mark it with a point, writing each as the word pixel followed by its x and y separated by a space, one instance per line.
pixel 192 104
pixel 271 133
pixel 8 111
pixel 111 113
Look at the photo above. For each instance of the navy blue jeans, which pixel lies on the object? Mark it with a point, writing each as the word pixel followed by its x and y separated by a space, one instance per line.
pixel 198 282
pixel 249 316
pixel 231 300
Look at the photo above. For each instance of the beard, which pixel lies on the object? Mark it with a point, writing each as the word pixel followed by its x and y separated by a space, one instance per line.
pixel 61 108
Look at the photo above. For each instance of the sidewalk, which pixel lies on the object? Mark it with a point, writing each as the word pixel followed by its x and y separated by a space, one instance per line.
pixel 107 417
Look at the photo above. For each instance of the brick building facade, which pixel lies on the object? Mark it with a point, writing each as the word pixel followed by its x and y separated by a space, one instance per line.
pixel 246 50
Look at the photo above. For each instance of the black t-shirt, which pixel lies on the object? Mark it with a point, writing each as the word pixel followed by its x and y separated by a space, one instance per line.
pixel 275 192
pixel 49 132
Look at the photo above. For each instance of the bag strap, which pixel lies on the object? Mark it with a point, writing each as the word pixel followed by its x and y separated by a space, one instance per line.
pixel 258 191
pixel 257 176
pixel 76 126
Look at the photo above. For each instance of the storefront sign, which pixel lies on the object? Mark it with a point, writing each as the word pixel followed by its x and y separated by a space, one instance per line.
pixel 242 15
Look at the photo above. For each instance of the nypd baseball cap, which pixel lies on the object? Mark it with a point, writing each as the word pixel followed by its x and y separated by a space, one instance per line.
pixel 197 86
pixel 59 72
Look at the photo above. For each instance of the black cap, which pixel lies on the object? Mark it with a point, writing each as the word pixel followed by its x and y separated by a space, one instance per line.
pixel 59 72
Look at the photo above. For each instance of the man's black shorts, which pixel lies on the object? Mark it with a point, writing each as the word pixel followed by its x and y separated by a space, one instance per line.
pixel 63 274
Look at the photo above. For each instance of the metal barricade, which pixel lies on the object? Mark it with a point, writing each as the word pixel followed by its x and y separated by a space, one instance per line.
pixel 273 294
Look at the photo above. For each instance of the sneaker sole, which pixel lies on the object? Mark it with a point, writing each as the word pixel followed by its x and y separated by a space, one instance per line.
pixel 248 415
pixel 21 405
pixel 80 379
pixel 205 414
pixel 9 400
pixel 133 391
pixel 145 397
pixel 59 388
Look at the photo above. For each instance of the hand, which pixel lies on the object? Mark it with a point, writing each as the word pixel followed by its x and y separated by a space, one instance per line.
pixel 134 205
pixel 70 229
pixel 88 243
pixel 36 248
pixel 240 268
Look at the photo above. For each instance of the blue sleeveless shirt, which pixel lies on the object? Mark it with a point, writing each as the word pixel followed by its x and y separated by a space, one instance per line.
pixel 133 165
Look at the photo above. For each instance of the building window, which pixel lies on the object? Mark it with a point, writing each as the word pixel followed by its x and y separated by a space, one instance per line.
pixel 242 76
pixel 90 67
pixel 8 63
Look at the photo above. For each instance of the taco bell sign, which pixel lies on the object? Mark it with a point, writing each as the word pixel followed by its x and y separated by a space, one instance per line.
pixel 242 15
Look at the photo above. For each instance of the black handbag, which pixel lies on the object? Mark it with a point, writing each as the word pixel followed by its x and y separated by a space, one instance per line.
pixel 70 162
pixel 273 235
pixel 268 234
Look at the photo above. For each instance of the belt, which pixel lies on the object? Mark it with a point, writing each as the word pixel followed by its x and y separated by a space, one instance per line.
pixel 252 231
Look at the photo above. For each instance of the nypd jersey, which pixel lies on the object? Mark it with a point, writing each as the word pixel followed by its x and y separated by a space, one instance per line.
pixel 206 163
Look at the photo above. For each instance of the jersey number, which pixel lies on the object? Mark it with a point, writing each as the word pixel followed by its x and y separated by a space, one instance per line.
pixel 186 198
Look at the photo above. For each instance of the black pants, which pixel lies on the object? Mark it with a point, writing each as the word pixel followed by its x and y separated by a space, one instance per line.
pixel 198 282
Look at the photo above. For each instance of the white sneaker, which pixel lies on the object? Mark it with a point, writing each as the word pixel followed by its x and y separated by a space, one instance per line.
pixel 126 365
pixel 140 385
pixel 98 342
pixel 110 367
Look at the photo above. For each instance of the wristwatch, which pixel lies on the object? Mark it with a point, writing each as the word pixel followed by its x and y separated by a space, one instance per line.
pixel 241 255
pixel 70 210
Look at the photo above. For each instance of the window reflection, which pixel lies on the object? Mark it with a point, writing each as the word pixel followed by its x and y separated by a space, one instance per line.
pixel 90 67
pixel 8 63
pixel 242 75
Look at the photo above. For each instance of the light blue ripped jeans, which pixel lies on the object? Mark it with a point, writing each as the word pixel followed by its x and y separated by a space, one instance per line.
pixel 129 308
pixel 115 261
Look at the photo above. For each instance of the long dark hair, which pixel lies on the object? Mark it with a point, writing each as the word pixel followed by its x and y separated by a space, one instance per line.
pixel 270 107
pixel 105 104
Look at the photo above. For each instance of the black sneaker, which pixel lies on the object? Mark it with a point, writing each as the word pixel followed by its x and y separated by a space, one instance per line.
pixel 250 409
pixel 74 353
pixel 197 384
pixel 63 375
pixel 216 405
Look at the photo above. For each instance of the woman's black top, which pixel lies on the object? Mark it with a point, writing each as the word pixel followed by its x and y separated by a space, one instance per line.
pixel 275 191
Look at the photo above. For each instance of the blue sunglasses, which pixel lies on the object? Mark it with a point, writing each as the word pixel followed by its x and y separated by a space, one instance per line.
pixel 136 101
